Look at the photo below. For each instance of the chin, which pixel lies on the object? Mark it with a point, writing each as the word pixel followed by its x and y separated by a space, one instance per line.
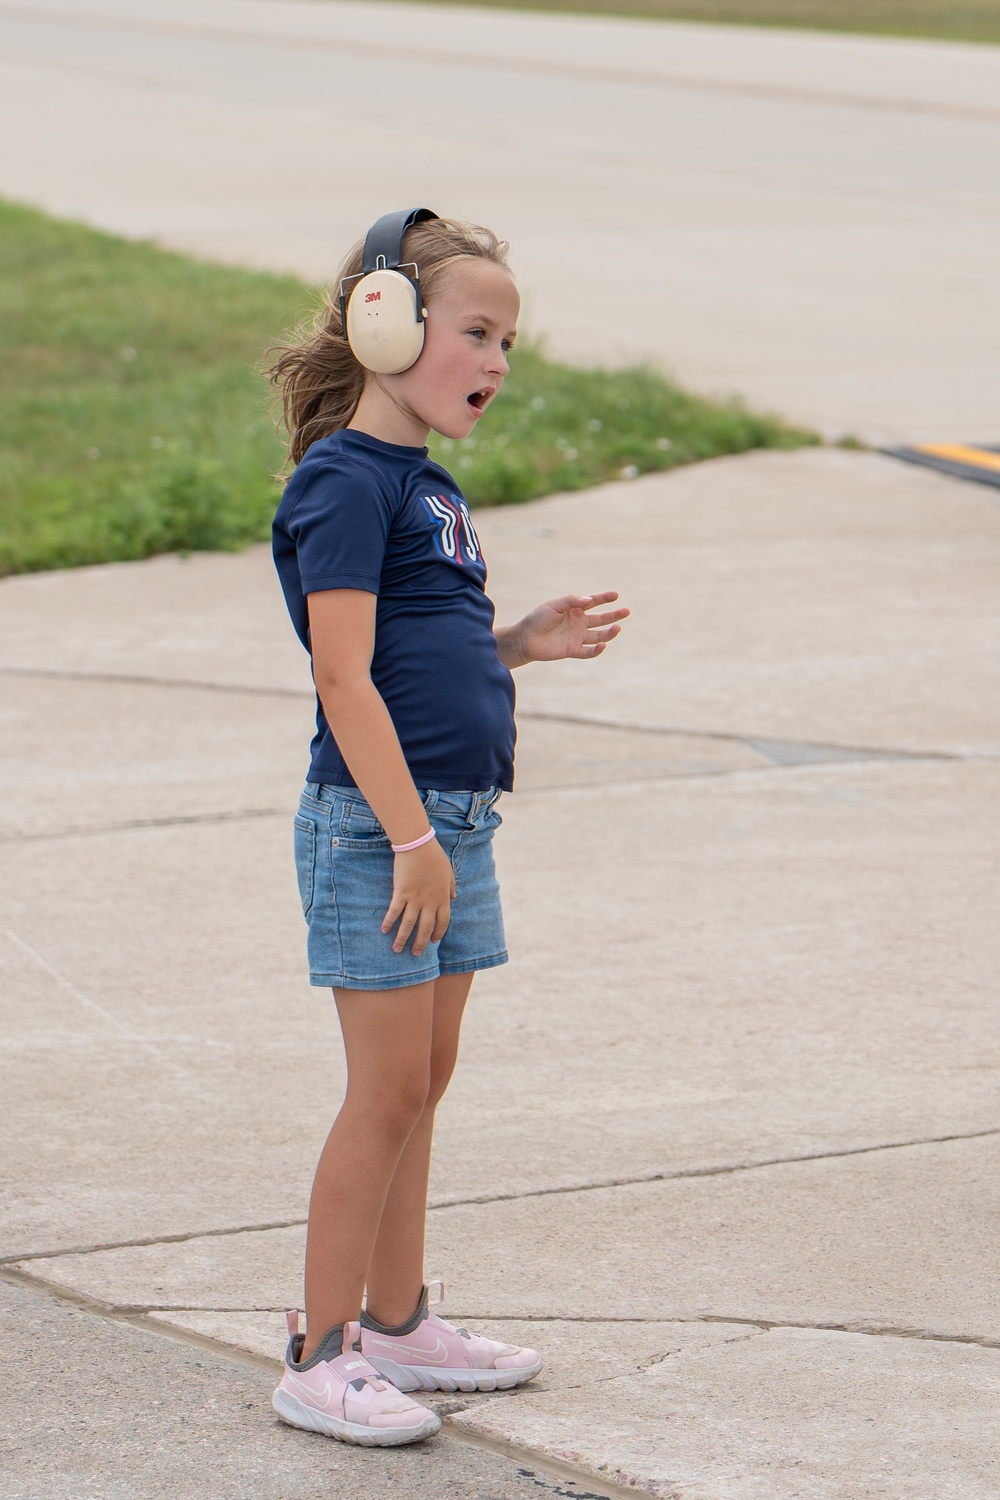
pixel 457 430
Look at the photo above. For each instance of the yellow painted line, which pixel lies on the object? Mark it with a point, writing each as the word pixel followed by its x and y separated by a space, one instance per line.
pixel 961 453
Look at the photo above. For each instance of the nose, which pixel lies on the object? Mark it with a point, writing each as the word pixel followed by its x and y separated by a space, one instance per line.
pixel 497 363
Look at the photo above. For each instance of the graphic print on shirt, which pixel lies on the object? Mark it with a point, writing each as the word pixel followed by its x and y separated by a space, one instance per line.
pixel 456 536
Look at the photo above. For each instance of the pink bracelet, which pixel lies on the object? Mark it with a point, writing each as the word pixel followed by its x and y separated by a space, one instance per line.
pixel 416 844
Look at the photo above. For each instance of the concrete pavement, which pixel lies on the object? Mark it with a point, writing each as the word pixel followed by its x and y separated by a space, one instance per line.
pixel 723 1138
pixel 737 1170
pixel 809 221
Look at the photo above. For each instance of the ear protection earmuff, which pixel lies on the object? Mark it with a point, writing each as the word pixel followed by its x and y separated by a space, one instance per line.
pixel 381 311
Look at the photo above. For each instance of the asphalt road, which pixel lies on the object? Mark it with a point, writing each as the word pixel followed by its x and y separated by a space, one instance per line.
pixel 813 222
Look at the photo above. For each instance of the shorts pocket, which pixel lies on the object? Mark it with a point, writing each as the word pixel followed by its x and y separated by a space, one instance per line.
pixel 305 861
pixel 358 828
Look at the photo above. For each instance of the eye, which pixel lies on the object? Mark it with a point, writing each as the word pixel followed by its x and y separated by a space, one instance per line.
pixel 478 333
pixel 506 345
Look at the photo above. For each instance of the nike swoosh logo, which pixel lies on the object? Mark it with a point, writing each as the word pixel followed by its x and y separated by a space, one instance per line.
pixel 437 1356
pixel 316 1398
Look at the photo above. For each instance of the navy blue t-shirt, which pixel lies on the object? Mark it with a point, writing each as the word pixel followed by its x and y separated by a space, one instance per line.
pixel 362 514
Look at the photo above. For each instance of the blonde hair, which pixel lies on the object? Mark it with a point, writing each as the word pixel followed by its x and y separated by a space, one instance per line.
pixel 317 375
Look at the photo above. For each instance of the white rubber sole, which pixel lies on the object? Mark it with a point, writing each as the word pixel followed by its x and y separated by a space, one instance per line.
pixel 426 1378
pixel 297 1414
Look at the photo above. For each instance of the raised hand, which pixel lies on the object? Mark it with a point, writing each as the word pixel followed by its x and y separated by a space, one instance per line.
pixel 573 626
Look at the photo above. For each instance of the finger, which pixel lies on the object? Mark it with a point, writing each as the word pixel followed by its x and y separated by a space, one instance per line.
pixel 586 652
pixel 396 908
pixel 407 922
pixel 425 927
pixel 574 601
pixel 608 597
pixel 442 923
pixel 608 616
pixel 603 635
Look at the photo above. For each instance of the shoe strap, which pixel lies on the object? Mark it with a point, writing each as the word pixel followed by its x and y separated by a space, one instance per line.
pixel 292 1319
pixel 435 1292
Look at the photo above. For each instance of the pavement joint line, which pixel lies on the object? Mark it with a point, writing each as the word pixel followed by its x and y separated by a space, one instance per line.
pixel 136 679
pixel 750 739
pixel 244 815
pixel 761 1324
pixel 518 63
pixel 657 778
pixel 719 1171
pixel 868 1329
pixel 130 825
pixel 551 1467
pixel 585 1187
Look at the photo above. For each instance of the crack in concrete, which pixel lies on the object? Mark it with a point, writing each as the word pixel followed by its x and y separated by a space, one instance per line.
pixel 658 1359
pixel 484 1201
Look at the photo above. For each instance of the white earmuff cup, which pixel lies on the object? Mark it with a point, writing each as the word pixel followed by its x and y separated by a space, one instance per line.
pixel 383 328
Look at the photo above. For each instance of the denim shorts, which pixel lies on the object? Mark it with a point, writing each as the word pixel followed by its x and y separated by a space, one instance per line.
pixel 345 867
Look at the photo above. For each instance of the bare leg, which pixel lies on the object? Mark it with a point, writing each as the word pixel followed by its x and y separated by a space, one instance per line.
pixel 387 1039
pixel 396 1270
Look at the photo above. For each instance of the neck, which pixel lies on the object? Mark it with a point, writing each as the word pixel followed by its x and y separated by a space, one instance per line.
pixel 381 417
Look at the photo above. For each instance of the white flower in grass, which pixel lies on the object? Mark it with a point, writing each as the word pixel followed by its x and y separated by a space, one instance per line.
pixel 129 354
pixel 630 471
pixel 156 442
pixel 595 424
pixel 93 452
pixel 538 403
pixel 664 444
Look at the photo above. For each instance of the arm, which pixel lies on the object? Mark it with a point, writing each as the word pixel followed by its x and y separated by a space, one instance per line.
pixel 342 635
pixel 560 628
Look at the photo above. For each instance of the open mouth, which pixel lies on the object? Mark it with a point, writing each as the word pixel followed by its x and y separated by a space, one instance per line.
pixel 478 399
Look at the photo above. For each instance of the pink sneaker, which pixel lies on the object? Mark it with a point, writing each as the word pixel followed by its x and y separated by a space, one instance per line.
pixel 428 1354
pixel 337 1392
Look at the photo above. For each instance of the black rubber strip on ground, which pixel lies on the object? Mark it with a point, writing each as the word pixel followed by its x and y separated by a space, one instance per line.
pixel 928 459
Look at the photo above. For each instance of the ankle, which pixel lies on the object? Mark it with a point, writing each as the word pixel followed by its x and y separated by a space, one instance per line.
pixel 329 1344
pixel 393 1315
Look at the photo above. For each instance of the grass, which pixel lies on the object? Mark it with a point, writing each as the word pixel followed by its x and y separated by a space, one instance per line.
pixel 133 420
pixel 951 20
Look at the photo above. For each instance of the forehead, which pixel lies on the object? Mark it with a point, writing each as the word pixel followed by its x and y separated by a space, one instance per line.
pixel 479 286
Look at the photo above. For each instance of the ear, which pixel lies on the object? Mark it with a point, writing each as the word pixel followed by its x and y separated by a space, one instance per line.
pixel 385 324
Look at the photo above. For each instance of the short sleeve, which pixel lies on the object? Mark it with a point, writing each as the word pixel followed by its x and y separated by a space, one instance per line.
pixel 339 525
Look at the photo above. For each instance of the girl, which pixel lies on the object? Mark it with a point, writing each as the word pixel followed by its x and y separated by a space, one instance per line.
pixel 384 579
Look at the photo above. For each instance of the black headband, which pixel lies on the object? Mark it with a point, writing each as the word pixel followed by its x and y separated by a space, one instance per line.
pixel 384 240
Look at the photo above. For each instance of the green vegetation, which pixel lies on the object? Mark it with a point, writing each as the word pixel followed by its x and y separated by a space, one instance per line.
pixel 555 427
pixel 952 20
pixel 133 419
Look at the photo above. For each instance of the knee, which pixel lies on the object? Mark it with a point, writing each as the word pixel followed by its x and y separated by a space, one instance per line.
pixel 397 1109
pixel 440 1076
